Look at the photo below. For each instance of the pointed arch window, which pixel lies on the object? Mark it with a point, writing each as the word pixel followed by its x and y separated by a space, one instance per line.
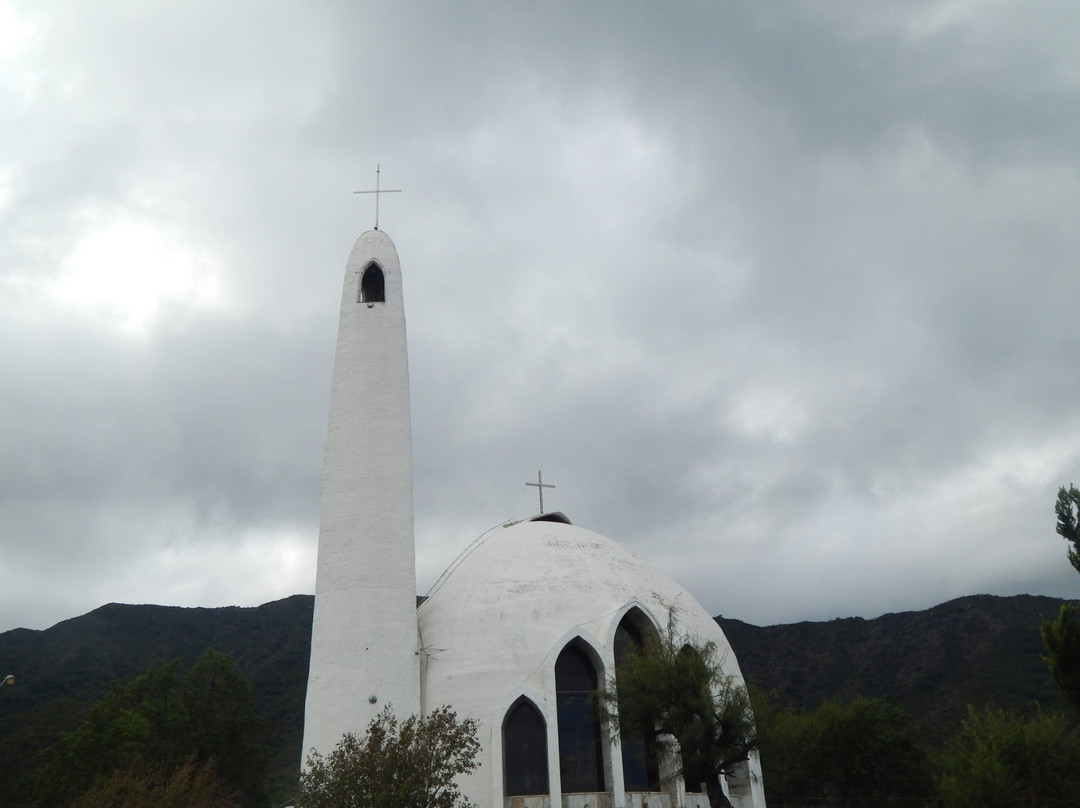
pixel 372 285
pixel 641 767
pixel 525 760
pixel 698 772
pixel 581 759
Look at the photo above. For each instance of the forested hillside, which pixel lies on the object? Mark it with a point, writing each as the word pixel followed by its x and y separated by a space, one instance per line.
pixel 973 650
pixel 64 669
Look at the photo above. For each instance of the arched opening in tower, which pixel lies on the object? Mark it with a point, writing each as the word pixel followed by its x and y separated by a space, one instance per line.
pixel 372 285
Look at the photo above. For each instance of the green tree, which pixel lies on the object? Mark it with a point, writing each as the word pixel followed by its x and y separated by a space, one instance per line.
pixel 225 729
pixel 413 763
pixel 676 691
pixel 160 720
pixel 1061 636
pixel 999 760
pixel 1068 521
pixel 859 752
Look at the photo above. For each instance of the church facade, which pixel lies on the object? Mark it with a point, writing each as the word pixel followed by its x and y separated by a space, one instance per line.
pixel 517 633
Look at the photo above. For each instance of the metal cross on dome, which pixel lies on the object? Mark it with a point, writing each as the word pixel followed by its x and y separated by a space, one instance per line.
pixel 540 485
pixel 377 191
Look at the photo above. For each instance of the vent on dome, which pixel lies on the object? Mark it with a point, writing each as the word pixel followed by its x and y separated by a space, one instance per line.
pixel 554 516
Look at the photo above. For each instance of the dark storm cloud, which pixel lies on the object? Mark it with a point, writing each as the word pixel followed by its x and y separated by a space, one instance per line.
pixel 779 295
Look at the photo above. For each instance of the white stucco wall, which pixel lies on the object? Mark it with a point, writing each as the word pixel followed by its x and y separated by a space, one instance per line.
pixel 363 642
pixel 493 626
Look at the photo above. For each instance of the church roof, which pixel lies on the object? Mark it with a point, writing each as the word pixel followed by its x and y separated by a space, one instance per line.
pixel 525 589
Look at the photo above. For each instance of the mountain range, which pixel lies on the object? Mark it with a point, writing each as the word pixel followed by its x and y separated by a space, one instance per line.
pixel 975 650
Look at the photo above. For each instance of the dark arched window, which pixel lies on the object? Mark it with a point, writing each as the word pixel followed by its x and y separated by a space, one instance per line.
pixel 581 761
pixel 697 768
pixel 372 285
pixel 525 761
pixel 641 769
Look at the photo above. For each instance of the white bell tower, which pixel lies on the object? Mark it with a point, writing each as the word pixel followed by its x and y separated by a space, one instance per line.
pixel 364 635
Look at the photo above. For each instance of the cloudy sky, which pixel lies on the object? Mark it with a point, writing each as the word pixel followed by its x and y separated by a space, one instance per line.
pixel 781 295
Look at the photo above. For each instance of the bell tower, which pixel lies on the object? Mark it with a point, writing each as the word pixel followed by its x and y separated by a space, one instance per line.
pixel 364 634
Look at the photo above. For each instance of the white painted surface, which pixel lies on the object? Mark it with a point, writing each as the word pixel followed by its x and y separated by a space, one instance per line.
pixel 363 640
pixel 493 627
pixel 496 621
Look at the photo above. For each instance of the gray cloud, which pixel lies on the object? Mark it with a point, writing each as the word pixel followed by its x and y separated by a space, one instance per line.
pixel 779 296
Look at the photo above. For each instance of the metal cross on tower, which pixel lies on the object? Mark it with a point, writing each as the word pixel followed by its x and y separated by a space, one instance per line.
pixel 540 485
pixel 377 191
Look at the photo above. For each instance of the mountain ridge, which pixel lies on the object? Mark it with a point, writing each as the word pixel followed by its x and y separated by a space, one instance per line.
pixel 977 649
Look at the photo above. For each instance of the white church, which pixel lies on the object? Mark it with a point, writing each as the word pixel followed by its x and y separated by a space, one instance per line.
pixel 529 620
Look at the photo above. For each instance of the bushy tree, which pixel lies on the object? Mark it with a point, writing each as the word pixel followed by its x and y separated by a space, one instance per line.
pixel 856 752
pixel 145 785
pixel 224 727
pixel 413 763
pixel 999 760
pixel 1067 509
pixel 674 689
pixel 159 721
pixel 1061 636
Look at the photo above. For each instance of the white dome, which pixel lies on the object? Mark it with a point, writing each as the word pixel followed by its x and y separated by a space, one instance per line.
pixel 494 624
